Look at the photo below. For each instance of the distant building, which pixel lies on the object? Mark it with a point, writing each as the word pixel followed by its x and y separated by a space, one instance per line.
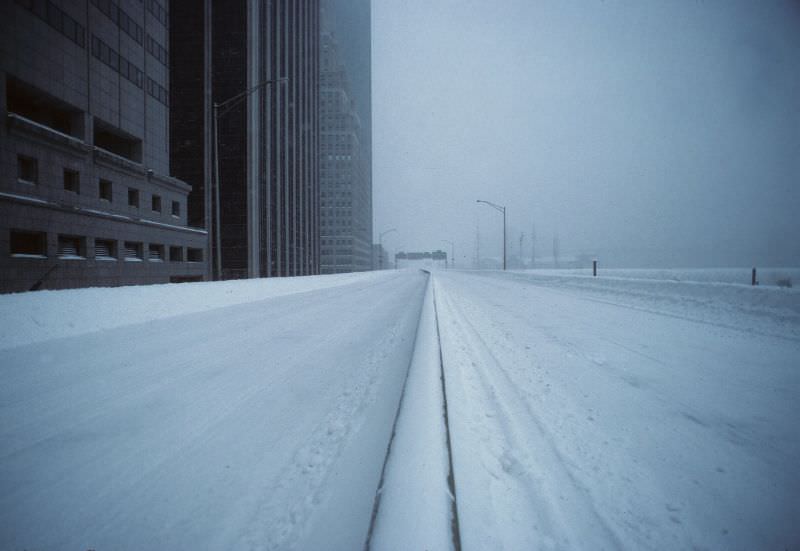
pixel 86 196
pixel 346 137
pixel 268 143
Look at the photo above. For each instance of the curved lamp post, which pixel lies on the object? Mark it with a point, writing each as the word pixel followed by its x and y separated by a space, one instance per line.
pixel 452 253
pixel 220 109
pixel 380 247
pixel 503 210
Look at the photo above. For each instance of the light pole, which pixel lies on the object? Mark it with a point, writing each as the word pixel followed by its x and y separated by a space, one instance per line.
pixel 380 247
pixel 452 253
pixel 219 110
pixel 503 210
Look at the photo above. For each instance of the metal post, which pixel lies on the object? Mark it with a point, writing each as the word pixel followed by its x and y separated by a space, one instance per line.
pixel 504 238
pixel 754 281
pixel 594 268
pixel 217 221
pixel 503 210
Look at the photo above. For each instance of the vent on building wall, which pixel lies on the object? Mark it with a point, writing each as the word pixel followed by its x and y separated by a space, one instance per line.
pixel 155 252
pixel 70 247
pixel 105 249
pixel 133 251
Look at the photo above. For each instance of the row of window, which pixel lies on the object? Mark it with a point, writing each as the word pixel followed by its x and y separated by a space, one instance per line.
pixel 56 18
pixel 122 19
pixel 113 59
pixel 157 91
pixel 157 50
pixel 158 11
pixel 31 244
pixel 28 173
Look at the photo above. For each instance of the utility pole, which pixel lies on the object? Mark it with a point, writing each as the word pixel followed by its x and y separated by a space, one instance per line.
pixel 556 246
pixel 477 244
pixel 533 245
pixel 502 209
pixel 521 238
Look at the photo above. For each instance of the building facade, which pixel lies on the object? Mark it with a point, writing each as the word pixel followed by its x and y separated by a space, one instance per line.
pixel 86 196
pixel 268 143
pixel 345 152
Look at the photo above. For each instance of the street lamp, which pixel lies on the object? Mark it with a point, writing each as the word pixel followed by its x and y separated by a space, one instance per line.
pixel 380 247
pixel 219 110
pixel 452 253
pixel 503 210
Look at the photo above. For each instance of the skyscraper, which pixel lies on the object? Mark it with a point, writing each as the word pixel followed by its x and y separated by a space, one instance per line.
pixel 346 137
pixel 86 196
pixel 267 52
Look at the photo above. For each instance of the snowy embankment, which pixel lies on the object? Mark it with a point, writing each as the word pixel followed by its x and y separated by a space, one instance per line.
pixel 717 296
pixel 257 425
pixel 44 315
pixel 604 414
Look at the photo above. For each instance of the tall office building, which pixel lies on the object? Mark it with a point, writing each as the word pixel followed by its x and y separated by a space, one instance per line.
pixel 268 142
pixel 346 137
pixel 85 192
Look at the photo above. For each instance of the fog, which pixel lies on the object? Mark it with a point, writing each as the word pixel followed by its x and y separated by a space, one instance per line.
pixel 646 133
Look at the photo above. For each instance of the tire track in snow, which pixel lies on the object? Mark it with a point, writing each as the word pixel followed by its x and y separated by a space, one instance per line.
pixel 451 477
pixel 546 505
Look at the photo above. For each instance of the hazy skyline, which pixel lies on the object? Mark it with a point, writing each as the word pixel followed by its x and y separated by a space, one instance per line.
pixel 644 132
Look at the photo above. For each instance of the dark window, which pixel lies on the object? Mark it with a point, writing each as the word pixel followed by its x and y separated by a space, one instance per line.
pixel 105 190
pixel 72 180
pixel 28 243
pixel 176 208
pixel 105 249
pixel 38 106
pixel 27 169
pixel 194 255
pixel 133 197
pixel 71 246
pixel 156 203
pixel 133 251
pixel 155 252
pixel 176 254
pixel 117 141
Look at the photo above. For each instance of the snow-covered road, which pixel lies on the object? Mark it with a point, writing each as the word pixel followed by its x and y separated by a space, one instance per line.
pixel 586 418
pixel 257 425
pixel 581 413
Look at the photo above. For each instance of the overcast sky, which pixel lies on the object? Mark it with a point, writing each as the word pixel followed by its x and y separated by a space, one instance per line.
pixel 645 132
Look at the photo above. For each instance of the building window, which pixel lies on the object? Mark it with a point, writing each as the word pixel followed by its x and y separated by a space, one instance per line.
pixel 105 249
pixel 194 255
pixel 156 203
pixel 71 247
pixel 72 180
pixel 176 208
pixel 27 170
pixel 28 244
pixel 133 251
pixel 176 254
pixel 133 197
pixel 155 252
pixel 105 190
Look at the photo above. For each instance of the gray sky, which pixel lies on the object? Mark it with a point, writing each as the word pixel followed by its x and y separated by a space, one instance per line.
pixel 647 132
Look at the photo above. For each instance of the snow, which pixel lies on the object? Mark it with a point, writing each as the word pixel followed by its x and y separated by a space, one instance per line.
pixel 415 503
pixel 634 410
pixel 46 315
pixel 260 424
pixel 588 417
